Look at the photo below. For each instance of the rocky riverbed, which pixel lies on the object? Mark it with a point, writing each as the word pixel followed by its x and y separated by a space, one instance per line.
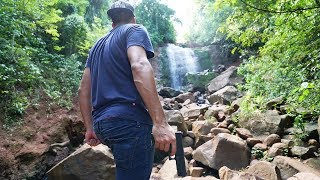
pixel 217 143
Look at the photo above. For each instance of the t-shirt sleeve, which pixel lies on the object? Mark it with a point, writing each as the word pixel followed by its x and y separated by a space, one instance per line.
pixel 138 36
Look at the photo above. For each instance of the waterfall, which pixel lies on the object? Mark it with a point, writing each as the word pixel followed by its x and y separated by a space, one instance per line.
pixel 181 61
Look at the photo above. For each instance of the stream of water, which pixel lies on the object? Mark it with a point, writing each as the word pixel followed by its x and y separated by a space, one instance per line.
pixel 181 61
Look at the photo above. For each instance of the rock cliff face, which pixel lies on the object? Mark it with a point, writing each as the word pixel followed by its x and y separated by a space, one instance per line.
pixel 216 146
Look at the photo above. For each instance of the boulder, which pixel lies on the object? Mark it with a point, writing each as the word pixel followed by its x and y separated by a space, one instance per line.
pixel 221 116
pixel 181 98
pixel 175 118
pixel 203 139
pixel 305 176
pixel 229 120
pixel 224 150
pixel 290 137
pixel 155 176
pixel 214 110
pixel 193 163
pixel 166 106
pixel 176 106
pixel 286 121
pixel 288 142
pixel 216 131
pixel 201 128
pixel 224 96
pixel 187 141
pixel 201 118
pixel 236 104
pixel 260 146
pixel 313 142
pixel 223 124
pixel 168 92
pixel 277 149
pixel 265 170
pixel 187 102
pixel 243 133
pixel 263 124
pixel 227 174
pixel 193 110
pixel 169 169
pixel 226 78
pixel 188 152
pixel 312 130
pixel 191 134
pixel 289 167
pixel 303 152
pixel 231 127
pixel 274 102
pixel 196 171
pixel 313 162
pixel 85 163
pixel 292 130
pixel 271 139
pixel 252 141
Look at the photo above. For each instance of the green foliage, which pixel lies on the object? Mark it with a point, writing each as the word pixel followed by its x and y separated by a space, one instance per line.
pixel 280 44
pixel 97 9
pixel 207 22
pixel 157 18
pixel 165 78
pixel 257 153
pixel 211 119
pixel 200 79
pixel 73 33
pixel 299 124
pixel 43 45
pixel 204 59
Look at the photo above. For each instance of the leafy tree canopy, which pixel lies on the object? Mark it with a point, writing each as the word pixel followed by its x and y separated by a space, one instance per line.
pixel 42 51
pixel 44 45
pixel 157 18
pixel 280 44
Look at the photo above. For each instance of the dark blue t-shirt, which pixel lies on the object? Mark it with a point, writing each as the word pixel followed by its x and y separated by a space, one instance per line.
pixel 114 94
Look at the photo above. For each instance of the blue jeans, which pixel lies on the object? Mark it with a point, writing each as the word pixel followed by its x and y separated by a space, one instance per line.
pixel 131 144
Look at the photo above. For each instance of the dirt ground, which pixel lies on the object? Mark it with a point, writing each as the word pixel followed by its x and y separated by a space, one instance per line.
pixel 24 149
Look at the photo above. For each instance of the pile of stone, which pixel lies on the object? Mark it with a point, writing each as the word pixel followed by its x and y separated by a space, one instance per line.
pixel 217 143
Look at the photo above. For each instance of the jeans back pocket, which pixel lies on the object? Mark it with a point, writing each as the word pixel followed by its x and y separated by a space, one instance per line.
pixel 123 150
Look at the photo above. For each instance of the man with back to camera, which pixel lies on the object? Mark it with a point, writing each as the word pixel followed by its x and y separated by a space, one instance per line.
pixel 118 92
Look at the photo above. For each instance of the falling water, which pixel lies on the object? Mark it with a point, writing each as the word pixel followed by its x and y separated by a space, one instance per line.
pixel 181 61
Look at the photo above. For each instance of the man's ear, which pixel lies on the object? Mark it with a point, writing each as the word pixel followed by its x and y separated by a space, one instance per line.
pixel 113 25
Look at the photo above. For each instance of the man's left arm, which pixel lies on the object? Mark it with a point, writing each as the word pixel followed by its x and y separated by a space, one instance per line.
pixel 84 94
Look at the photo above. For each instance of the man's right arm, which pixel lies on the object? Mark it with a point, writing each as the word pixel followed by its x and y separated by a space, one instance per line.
pixel 144 80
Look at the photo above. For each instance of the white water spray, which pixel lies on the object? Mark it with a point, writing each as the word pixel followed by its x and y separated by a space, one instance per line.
pixel 181 61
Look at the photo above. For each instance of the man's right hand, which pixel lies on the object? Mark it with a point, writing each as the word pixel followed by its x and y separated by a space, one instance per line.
pixel 164 136
pixel 91 138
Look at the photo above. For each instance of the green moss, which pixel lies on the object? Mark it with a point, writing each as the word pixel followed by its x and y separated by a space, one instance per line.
pixel 204 59
pixel 200 79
